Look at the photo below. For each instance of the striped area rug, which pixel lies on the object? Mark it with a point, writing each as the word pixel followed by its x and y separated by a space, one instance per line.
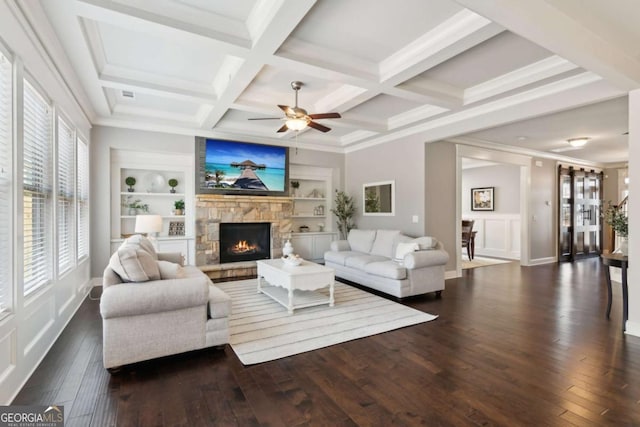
pixel 261 329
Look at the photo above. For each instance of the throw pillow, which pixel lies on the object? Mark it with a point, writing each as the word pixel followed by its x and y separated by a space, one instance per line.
pixel 142 242
pixel 426 243
pixel 171 270
pixel 405 248
pixel 134 264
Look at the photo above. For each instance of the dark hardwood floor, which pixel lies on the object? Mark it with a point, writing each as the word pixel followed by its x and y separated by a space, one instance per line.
pixel 512 347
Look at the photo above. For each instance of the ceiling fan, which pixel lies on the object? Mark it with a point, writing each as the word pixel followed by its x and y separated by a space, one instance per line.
pixel 297 118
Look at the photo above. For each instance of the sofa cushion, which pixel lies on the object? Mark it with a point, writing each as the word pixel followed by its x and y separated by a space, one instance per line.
pixel 134 264
pixel 383 244
pixel 360 261
pixel 170 270
pixel 339 258
pixel 388 269
pixel 405 248
pixel 361 240
pixel 426 242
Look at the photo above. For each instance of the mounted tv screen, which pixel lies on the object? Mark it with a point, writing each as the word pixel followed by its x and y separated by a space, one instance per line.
pixel 232 167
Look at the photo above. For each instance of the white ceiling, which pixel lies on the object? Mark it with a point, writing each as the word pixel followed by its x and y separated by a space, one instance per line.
pixel 427 69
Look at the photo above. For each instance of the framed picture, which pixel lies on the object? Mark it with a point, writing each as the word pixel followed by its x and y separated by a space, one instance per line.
pixel 482 199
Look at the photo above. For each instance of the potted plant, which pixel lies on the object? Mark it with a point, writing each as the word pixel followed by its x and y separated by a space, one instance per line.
pixel 344 210
pixel 136 206
pixel 619 221
pixel 295 185
pixel 179 207
pixel 130 181
pixel 173 183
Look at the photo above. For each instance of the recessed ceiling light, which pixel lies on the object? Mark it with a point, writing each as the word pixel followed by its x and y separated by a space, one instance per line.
pixel 522 138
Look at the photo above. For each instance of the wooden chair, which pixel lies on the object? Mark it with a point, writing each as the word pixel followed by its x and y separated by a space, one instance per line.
pixel 468 237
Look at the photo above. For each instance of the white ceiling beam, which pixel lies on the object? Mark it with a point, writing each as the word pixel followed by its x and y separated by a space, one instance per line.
pixel 543 69
pixel 568 93
pixel 543 24
pixel 429 92
pixel 165 91
pixel 283 22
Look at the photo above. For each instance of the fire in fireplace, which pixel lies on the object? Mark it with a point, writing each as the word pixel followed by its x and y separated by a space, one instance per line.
pixel 245 241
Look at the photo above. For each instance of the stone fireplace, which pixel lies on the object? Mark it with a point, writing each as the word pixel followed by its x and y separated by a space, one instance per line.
pixel 213 210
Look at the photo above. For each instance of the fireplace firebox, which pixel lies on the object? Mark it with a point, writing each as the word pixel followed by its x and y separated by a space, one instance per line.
pixel 244 241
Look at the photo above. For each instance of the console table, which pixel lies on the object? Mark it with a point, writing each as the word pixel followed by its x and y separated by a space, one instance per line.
pixel 621 261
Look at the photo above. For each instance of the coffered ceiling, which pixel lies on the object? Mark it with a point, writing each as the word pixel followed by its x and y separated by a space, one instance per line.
pixel 427 69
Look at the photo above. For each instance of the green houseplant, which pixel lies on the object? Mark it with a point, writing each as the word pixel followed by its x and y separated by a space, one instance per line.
pixel 130 181
pixel 618 220
pixel 344 210
pixel 179 207
pixel 173 183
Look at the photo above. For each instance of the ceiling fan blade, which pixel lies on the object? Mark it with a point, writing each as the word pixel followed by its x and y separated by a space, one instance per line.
pixel 284 128
pixel 325 116
pixel 287 110
pixel 264 118
pixel 318 126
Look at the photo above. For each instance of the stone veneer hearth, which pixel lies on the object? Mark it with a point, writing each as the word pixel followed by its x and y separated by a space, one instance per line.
pixel 211 210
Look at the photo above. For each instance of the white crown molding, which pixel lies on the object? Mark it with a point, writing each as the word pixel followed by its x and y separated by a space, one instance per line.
pixel 145 79
pixel 414 115
pixel 454 29
pixel 125 16
pixel 340 99
pixel 302 52
pixel 548 67
pixel 356 136
pixel 481 143
pixel 501 104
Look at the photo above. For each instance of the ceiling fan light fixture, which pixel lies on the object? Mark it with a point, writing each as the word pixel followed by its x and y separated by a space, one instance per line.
pixel 578 142
pixel 298 123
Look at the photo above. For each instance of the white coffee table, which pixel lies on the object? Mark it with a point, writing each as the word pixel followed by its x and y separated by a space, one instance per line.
pixel 293 286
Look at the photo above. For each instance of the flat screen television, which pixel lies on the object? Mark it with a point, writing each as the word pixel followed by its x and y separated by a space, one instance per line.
pixel 234 167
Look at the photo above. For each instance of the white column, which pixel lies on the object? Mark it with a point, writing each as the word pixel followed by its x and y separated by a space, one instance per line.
pixel 633 324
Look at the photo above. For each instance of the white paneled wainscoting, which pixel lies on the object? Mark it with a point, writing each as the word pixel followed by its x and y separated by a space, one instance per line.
pixel 497 235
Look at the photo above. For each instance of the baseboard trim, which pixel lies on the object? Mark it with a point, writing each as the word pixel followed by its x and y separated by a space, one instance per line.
pixel 632 328
pixel 540 261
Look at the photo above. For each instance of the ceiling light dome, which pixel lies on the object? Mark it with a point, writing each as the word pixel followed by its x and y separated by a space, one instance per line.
pixel 578 142
pixel 297 123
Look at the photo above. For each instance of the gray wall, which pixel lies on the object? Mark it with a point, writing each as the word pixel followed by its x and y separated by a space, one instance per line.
pixel 440 196
pixel 104 139
pixel 506 182
pixel 401 161
pixel 543 209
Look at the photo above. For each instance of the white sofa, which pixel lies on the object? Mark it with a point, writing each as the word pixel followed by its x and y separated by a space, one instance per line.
pixel 152 306
pixel 389 262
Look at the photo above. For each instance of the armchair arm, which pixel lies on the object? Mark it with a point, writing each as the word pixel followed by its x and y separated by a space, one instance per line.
pixel 340 245
pixel 427 258
pixel 133 299
pixel 175 257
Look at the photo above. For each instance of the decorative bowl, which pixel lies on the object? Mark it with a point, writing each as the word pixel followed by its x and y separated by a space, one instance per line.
pixel 292 260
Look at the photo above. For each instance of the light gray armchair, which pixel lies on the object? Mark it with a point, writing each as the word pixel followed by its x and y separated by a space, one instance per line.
pixel 177 309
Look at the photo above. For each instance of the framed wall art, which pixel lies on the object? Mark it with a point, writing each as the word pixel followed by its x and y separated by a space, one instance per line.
pixel 482 199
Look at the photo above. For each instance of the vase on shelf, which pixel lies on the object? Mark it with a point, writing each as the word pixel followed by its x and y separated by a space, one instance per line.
pixel 287 249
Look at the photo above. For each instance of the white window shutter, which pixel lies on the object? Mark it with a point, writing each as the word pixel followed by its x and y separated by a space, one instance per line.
pixel 37 190
pixel 65 201
pixel 6 185
pixel 83 199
